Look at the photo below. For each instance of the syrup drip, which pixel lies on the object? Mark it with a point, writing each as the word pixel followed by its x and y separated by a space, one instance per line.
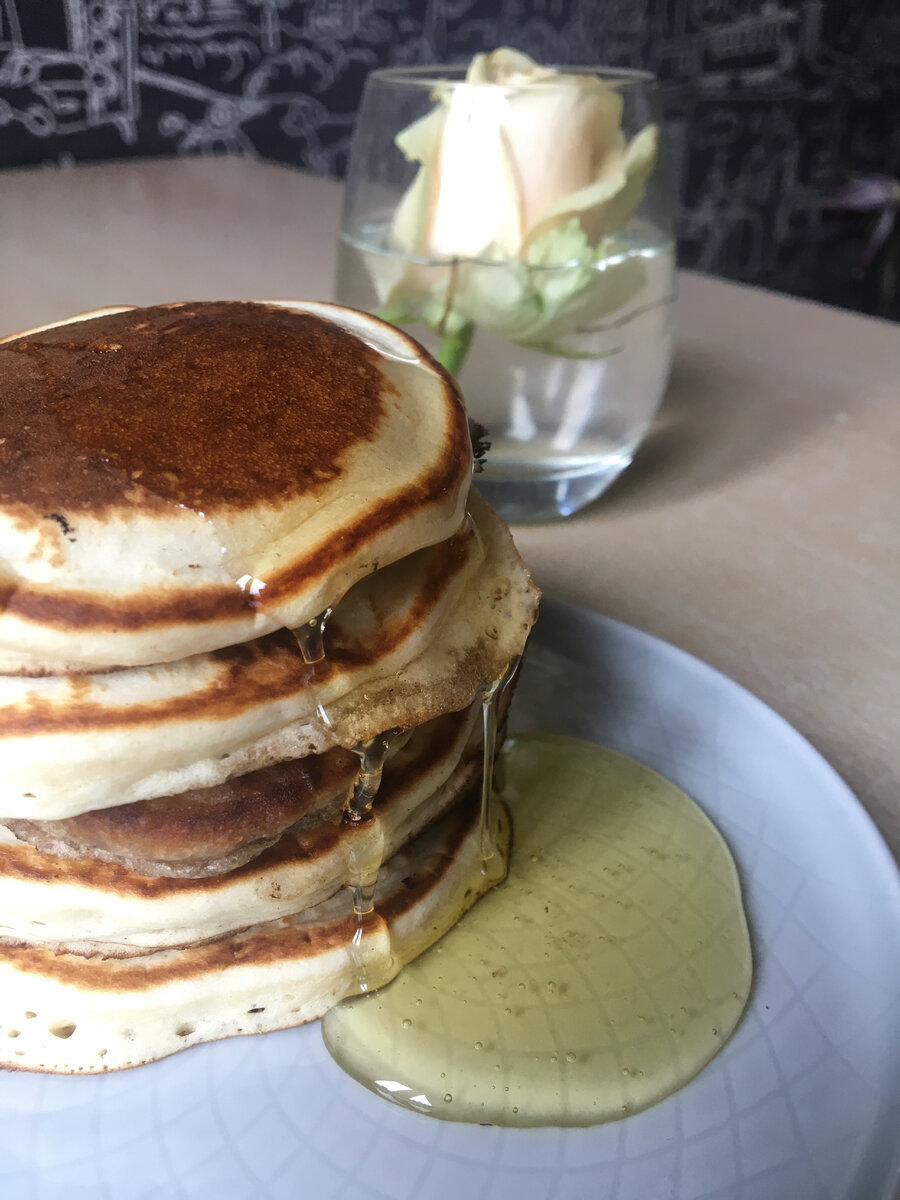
pixel 310 640
pixel 371 758
pixel 492 863
pixel 367 846
pixel 365 854
pixel 370 944
pixel 310 637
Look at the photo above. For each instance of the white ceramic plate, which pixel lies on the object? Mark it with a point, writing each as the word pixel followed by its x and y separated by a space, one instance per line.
pixel 802 1104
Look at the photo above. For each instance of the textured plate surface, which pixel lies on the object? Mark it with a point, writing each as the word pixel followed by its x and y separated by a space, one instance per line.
pixel 802 1104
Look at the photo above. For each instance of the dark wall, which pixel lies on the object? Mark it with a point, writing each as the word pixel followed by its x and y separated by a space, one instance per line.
pixel 772 105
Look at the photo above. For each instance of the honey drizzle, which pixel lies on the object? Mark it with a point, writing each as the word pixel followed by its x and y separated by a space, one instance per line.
pixel 491 863
pixel 365 847
pixel 310 637
pixel 612 965
pixel 365 854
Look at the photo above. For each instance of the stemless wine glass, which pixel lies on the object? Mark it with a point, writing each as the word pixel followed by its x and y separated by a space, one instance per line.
pixel 522 231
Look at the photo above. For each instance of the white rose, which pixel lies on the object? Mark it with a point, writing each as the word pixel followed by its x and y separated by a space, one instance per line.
pixel 514 152
pixel 521 169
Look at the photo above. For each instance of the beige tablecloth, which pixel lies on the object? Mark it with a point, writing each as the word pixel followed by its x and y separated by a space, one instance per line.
pixel 758 527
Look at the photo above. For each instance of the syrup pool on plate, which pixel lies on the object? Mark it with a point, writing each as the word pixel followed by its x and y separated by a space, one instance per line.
pixel 607 970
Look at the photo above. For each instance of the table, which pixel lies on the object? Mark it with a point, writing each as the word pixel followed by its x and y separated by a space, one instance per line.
pixel 759 526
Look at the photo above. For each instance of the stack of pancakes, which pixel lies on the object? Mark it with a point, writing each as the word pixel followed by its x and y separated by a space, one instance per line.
pixel 241 571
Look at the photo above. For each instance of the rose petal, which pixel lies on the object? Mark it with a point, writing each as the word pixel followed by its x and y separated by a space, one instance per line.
pixel 502 66
pixel 557 133
pixel 476 201
pixel 607 288
pixel 387 272
pixel 409 228
pixel 640 159
pixel 605 205
pixel 419 141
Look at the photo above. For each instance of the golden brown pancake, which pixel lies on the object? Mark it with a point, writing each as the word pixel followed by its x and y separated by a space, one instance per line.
pixel 238 548
pixel 66 901
pixel 398 657
pixel 207 831
pixel 184 477
pixel 87 1012
pixel 203 831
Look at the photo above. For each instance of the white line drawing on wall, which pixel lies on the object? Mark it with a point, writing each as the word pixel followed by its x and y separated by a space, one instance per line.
pixel 751 87
pixel 118 48
pixel 53 91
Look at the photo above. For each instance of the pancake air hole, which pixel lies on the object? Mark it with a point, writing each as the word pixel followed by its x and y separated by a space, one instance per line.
pixel 12 1033
pixel 185 1030
pixel 62 1029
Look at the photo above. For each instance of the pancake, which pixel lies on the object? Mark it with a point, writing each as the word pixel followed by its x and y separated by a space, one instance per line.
pixel 186 477
pixel 208 831
pixel 66 1012
pixel 66 901
pixel 71 745
pixel 250 611
pixel 203 831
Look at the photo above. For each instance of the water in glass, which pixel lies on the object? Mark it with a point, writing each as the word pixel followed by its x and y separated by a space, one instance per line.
pixel 562 425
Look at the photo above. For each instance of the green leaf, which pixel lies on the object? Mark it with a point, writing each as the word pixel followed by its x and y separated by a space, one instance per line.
pixel 563 287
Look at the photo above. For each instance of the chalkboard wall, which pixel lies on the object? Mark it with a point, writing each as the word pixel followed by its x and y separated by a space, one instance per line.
pixel 772 105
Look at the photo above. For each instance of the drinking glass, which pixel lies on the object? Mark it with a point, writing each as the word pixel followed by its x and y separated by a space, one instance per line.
pixel 560 338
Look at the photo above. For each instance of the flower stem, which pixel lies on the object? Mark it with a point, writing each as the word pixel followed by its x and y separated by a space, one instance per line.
pixel 454 347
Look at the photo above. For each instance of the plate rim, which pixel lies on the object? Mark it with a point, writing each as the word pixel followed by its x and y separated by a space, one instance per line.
pixel 840 791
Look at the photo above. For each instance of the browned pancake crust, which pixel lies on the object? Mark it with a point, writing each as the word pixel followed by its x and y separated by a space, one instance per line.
pixel 250 673
pixel 220 406
pixel 223 404
pixel 270 943
pixel 203 831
